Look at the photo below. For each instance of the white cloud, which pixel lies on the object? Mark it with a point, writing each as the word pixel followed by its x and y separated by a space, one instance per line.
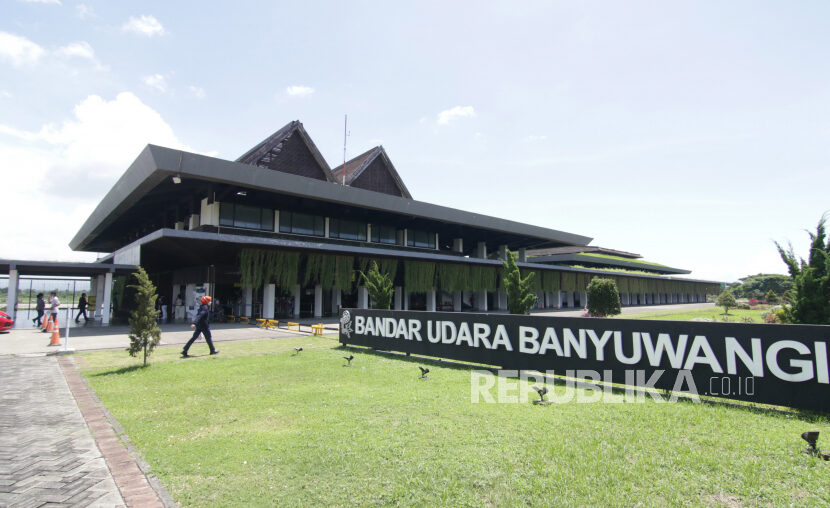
pixel 77 49
pixel 5 94
pixel 84 11
pixel 63 170
pixel 534 138
pixel 144 25
pixel 197 91
pixel 449 115
pixel 299 91
pixel 19 50
pixel 156 81
pixel 56 2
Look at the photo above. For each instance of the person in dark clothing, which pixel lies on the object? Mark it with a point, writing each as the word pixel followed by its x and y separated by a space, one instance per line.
pixel 82 309
pixel 201 325
pixel 40 308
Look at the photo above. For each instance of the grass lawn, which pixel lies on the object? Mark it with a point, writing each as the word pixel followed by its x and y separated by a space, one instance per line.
pixel 259 426
pixel 713 313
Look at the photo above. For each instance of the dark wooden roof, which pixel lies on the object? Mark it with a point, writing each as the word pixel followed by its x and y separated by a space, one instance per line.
pixel 289 150
pixel 372 170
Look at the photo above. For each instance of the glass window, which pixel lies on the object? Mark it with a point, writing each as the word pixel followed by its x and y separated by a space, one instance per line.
pixel 248 217
pixel 384 234
pixel 423 239
pixel 347 229
pixel 301 224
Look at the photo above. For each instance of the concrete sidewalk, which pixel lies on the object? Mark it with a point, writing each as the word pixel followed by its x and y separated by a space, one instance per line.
pixel 31 341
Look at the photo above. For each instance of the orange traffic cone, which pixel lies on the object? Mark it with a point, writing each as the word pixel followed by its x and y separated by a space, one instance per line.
pixel 56 335
pixel 48 325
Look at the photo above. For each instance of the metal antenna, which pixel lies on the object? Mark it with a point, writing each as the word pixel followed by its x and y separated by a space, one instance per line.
pixel 345 134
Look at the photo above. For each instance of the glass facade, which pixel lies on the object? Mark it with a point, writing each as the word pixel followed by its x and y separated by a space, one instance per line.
pixel 347 229
pixel 420 239
pixel 248 217
pixel 302 224
pixel 384 234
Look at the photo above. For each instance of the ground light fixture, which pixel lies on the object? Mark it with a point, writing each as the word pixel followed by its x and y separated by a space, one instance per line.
pixel 177 179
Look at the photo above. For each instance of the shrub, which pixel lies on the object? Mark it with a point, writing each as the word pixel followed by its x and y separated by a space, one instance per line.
pixel 380 287
pixel 603 298
pixel 753 301
pixel 726 300
pixel 771 297
pixel 145 333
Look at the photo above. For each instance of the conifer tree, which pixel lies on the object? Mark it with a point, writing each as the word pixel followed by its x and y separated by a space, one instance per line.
pixel 145 333
pixel 603 298
pixel 380 287
pixel 810 296
pixel 520 299
pixel 771 297
pixel 726 300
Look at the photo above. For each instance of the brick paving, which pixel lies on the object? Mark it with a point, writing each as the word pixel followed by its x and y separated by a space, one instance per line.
pixel 47 455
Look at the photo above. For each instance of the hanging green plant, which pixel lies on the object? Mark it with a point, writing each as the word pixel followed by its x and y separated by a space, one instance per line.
pixel 419 276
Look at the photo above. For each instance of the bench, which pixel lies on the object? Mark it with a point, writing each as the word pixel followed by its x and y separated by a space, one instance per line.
pixel 317 329
pixel 272 323
pixel 231 318
pixel 289 324
pixel 244 319
pixel 262 323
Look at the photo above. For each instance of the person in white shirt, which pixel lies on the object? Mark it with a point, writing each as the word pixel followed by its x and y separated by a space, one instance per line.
pixel 54 305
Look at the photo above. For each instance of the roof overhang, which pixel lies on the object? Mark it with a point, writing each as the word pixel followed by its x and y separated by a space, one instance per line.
pixel 155 164
pixel 603 261
pixel 62 269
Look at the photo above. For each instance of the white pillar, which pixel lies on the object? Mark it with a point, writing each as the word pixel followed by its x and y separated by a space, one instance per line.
pixel 405 299
pixel 398 298
pixel 336 300
pixel 570 298
pixel 268 298
pixel 105 317
pixel 522 255
pixel 583 299
pixel 481 301
pixel 11 295
pixel 501 296
pixel 458 245
pixel 456 301
pixel 643 300
pixel 362 298
pixel 557 299
pixel 431 300
pixel 297 297
pixel 481 250
pixel 248 293
pixel 318 301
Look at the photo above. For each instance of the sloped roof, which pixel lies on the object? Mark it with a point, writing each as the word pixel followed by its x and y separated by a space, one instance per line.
pixel 579 249
pixel 351 171
pixel 273 153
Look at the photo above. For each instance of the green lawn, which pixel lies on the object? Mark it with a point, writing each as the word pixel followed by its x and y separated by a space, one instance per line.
pixel 258 426
pixel 712 313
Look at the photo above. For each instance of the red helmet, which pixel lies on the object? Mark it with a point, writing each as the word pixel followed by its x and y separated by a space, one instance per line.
pixel 206 300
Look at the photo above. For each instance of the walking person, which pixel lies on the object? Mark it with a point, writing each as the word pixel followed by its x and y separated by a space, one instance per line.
pixel 54 306
pixel 201 325
pixel 82 304
pixel 40 308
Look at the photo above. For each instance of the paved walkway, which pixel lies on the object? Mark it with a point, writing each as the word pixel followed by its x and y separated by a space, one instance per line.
pixel 47 455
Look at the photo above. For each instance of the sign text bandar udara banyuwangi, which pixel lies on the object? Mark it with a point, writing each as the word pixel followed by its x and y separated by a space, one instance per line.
pixel 783 364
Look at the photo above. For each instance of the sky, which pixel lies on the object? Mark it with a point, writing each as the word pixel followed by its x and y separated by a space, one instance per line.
pixel 693 133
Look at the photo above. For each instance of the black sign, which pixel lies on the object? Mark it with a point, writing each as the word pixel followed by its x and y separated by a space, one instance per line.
pixel 784 365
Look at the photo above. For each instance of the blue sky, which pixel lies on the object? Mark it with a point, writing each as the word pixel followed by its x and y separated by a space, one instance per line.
pixel 692 133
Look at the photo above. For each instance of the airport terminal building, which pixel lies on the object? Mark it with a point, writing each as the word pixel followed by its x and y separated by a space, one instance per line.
pixel 278 233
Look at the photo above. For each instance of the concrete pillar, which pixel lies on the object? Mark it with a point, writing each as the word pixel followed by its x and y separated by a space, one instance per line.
pixel 431 300
pixel 570 299
pixel 458 245
pixel 248 295
pixel 405 299
pixel 318 301
pixel 522 255
pixel 326 228
pixel 297 297
pixel 105 316
pixel 503 252
pixel 362 298
pixel 456 301
pixel 583 299
pixel 501 300
pixel 11 295
pixel 268 300
pixel 481 250
pixel 556 299
pixel 643 300
pixel 398 298
pixel 481 301
pixel 336 299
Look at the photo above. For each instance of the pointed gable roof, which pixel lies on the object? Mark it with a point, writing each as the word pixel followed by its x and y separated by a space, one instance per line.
pixel 372 170
pixel 289 150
